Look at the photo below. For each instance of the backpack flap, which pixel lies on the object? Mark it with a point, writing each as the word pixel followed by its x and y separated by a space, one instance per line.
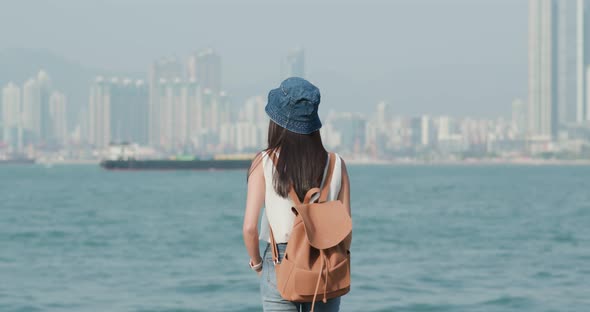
pixel 326 224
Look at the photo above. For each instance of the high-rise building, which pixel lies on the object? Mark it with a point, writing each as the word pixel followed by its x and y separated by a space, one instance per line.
pixel 582 46
pixel 80 133
pixel 209 110
pixel 383 115
pixel 294 64
pixel 99 114
pixel 572 44
pixel 167 69
pixel 475 134
pixel 173 114
pixel 118 112
pixel 253 113
pixel 449 139
pixel 559 59
pixel 45 123
pixel 205 68
pixel 195 110
pixel 225 111
pixel 183 113
pixel 32 109
pixel 331 137
pixel 542 119
pixel 352 131
pixel 139 107
pixel 519 117
pixel 57 108
pixel 444 128
pixel 426 131
pixel 422 131
pixel 565 44
pixel 241 136
pixel 128 111
pixel 11 117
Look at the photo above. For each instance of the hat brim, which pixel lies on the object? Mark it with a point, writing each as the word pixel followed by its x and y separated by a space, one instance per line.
pixel 307 127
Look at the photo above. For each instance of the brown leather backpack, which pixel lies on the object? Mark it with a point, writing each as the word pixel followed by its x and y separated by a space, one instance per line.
pixel 317 259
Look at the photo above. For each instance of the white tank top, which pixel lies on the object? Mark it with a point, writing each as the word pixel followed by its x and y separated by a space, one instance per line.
pixel 277 210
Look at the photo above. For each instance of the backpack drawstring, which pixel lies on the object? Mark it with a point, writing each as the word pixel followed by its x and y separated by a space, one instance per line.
pixel 326 278
pixel 324 261
pixel 317 284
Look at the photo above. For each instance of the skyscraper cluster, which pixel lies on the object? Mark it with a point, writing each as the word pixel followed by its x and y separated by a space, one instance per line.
pixel 205 67
pixel 385 135
pixel 179 107
pixel 249 130
pixel 118 111
pixel 33 115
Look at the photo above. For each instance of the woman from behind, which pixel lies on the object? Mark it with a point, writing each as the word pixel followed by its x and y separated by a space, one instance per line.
pixel 295 159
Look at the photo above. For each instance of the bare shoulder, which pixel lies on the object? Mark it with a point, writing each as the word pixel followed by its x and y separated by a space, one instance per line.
pixel 342 163
pixel 258 158
pixel 257 162
pixel 344 194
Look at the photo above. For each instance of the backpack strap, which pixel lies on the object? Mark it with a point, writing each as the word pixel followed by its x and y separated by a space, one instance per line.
pixel 326 186
pixel 307 198
pixel 273 245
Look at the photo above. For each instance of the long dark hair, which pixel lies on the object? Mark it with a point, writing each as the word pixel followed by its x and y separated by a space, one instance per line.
pixel 302 160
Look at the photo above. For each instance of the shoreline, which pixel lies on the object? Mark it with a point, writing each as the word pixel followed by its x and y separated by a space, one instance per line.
pixel 473 162
pixel 402 162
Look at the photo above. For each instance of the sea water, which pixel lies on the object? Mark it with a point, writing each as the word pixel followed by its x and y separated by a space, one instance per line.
pixel 425 238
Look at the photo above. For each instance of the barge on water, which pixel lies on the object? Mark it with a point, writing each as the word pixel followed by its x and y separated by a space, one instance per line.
pixel 130 157
pixel 176 164
pixel 17 161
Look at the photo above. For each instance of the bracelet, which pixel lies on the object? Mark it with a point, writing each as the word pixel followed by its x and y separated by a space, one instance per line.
pixel 255 267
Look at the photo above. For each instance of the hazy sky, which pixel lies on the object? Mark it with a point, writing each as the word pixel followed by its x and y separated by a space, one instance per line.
pixel 463 57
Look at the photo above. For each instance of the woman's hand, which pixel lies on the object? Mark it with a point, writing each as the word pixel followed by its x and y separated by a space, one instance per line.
pixel 259 272
pixel 257 265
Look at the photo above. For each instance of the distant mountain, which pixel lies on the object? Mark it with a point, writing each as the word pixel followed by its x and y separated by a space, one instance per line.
pixel 72 78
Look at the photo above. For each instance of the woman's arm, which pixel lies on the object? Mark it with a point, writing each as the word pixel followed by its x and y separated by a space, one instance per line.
pixel 254 202
pixel 344 195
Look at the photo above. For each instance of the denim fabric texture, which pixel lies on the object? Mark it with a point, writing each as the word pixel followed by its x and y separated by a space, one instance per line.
pixel 294 106
pixel 271 298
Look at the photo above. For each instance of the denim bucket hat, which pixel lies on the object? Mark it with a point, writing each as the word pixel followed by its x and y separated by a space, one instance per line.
pixel 294 106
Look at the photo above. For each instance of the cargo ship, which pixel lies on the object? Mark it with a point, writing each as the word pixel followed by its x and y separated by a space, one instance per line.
pixel 175 164
pixel 16 159
pixel 125 157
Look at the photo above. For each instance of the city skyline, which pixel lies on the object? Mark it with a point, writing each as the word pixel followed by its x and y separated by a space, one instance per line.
pixel 181 108
pixel 196 120
pixel 450 57
pixel 184 105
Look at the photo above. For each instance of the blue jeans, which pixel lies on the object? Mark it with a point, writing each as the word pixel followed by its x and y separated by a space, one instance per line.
pixel 271 298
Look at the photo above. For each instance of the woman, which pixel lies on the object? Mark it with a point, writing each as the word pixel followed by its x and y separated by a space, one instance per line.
pixel 295 157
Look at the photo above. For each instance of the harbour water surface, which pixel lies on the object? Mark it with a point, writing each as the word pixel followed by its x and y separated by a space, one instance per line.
pixel 426 238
